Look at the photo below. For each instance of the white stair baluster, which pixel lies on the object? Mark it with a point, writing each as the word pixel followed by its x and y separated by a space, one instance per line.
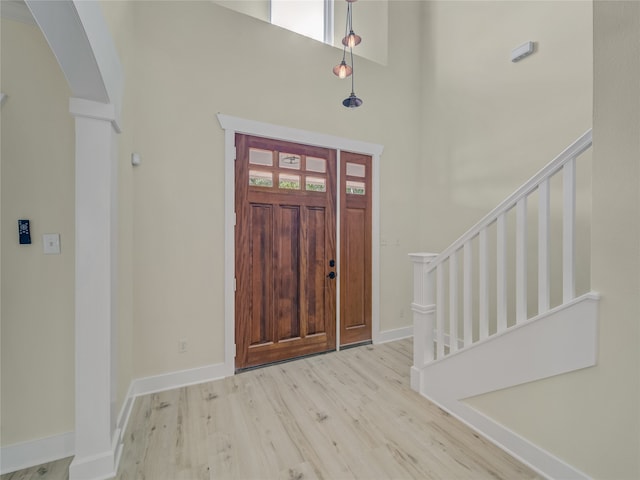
pixel 439 312
pixel 521 260
pixel 501 273
pixel 544 286
pixel 568 230
pixel 483 284
pixel 467 295
pixel 453 302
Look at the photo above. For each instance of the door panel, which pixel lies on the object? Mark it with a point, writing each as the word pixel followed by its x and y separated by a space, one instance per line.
pixel 354 269
pixel 261 322
pixel 285 237
pixel 355 248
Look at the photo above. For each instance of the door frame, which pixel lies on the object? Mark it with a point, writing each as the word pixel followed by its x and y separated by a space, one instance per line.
pixel 232 125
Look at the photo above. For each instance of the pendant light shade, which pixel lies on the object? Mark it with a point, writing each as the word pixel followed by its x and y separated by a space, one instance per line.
pixel 352 101
pixel 343 69
pixel 351 40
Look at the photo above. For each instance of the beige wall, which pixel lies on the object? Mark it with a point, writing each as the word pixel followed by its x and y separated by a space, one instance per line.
pixel 590 418
pixel 490 124
pixel 266 74
pixel 438 108
pixel 37 290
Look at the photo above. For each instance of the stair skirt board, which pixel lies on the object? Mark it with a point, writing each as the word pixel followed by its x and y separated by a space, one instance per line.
pixel 560 341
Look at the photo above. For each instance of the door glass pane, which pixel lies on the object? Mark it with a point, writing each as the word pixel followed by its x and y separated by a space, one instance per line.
pixel 289 182
pixel 259 178
pixel 289 160
pixel 316 165
pixel 316 184
pixel 355 188
pixel 260 157
pixel 355 170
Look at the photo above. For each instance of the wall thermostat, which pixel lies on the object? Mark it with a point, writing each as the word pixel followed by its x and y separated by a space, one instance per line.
pixel 24 232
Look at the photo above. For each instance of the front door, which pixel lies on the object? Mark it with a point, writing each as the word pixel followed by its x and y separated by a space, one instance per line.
pixel 285 250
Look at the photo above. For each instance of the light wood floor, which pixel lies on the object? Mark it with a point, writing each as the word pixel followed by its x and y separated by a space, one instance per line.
pixel 349 414
pixel 58 470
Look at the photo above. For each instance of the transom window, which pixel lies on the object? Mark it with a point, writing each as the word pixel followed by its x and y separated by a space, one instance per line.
pixel 285 171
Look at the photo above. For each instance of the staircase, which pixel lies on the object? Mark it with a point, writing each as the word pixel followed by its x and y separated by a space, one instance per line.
pixel 475 328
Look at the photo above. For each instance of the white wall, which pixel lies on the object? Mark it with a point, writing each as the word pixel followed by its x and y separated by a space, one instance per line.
pixel 37 289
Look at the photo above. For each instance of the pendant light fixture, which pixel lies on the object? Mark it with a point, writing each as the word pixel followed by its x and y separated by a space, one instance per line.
pixel 343 69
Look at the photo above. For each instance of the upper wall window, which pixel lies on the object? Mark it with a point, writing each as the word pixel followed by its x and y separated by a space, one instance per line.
pixel 324 20
pixel 312 18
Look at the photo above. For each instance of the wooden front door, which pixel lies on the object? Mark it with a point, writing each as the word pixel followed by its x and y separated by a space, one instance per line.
pixel 355 248
pixel 285 250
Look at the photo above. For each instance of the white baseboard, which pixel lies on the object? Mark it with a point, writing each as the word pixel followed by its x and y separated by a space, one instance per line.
pixel 392 335
pixel 183 378
pixel 536 458
pixel 28 454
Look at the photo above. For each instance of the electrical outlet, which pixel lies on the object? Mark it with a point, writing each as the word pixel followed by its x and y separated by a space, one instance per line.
pixel 182 346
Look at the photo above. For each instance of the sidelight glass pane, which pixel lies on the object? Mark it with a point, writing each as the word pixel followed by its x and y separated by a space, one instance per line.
pixel 260 157
pixel 289 160
pixel 259 178
pixel 318 165
pixel 355 170
pixel 289 182
pixel 355 188
pixel 316 184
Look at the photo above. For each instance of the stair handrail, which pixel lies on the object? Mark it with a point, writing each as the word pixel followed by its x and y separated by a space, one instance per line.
pixel 574 150
pixel 429 323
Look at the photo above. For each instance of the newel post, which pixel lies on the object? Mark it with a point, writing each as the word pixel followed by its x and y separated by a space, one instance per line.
pixel 424 308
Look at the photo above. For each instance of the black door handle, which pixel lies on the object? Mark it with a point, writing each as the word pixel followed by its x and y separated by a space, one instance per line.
pixel 332 275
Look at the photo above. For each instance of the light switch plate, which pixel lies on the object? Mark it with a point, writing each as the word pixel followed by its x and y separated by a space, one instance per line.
pixel 51 243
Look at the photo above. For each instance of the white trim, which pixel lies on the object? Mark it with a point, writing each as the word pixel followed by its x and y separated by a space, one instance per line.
pixel 536 458
pixel 338 243
pixel 182 378
pixel 95 110
pixel 375 246
pixel 35 452
pixel 395 334
pixel 96 432
pixel 229 252
pixel 233 125
pixel 590 300
pixel 252 127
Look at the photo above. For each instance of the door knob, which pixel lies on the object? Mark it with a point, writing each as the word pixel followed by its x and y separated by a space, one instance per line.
pixel 332 263
pixel 332 275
